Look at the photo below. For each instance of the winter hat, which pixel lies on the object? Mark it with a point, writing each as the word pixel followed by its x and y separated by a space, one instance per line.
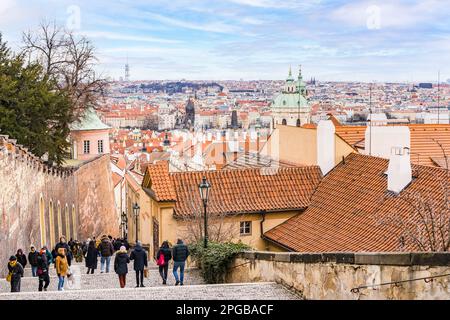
pixel 122 248
pixel 12 258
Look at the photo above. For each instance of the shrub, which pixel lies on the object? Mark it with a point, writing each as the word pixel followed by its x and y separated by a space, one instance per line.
pixel 215 259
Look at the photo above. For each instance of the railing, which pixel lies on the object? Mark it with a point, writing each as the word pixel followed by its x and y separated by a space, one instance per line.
pixel 397 283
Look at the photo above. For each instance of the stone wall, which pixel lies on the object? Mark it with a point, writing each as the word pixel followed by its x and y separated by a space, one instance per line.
pixel 39 203
pixel 334 275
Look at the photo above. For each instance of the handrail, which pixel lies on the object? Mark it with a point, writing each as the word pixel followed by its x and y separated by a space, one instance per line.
pixel 396 283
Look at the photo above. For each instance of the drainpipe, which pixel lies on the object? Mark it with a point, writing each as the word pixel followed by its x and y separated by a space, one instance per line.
pixel 263 213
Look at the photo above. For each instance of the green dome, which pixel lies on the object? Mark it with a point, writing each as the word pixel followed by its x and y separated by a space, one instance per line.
pixel 289 100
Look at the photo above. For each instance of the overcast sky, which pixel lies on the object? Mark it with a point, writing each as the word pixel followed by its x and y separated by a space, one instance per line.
pixel 335 40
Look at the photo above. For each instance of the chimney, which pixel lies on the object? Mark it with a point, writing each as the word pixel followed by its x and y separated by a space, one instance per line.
pixel 325 145
pixel 399 170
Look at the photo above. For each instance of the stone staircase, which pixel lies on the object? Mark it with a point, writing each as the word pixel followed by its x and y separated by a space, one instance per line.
pixel 105 286
pixel 235 291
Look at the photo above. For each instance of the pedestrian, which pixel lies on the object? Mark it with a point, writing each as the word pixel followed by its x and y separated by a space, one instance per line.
pixel 33 260
pixel 91 257
pixel 117 244
pixel 62 267
pixel 15 273
pixel 139 255
pixel 21 258
pixel 106 250
pixel 42 270
pixel 121 265
pixel 180 254
pixel 63 244
pixel 49 255
pixel 163 256
pixel 126 244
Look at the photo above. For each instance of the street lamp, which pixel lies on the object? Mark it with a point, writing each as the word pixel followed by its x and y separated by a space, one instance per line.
pixel 136 209
pixel 124 224
pixel 204 187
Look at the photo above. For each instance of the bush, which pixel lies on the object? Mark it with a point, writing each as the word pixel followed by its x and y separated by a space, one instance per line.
pixel 215 259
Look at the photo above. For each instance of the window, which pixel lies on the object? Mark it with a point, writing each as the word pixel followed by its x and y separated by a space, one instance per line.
pixel 245 228
pixel 100 146
pixel 87 147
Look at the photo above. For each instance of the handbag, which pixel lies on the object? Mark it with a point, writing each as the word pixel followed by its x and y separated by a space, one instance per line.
pixel 160 261
pixel 9 276
pixel 145 273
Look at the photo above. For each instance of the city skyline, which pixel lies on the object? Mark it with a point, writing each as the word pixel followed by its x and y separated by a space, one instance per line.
pixel 403 41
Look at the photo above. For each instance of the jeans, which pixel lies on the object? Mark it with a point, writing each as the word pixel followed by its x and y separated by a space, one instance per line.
pixel 163 270
pixel 141 280
pixel 61 283
pixel 44 278
pixel 102 263
pixel 34 271
pixel 176 265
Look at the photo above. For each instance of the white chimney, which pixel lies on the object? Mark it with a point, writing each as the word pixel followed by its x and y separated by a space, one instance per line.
pixel 325 145
pixel 399 170
pixel 379 140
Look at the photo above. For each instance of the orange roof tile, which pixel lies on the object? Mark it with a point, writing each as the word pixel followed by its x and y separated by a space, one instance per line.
pixel 351 209
pixel 157 183
pixel 246 190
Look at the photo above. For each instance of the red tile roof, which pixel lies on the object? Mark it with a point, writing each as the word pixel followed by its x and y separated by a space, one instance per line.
pixel 246 190
pixel 157 183
pixel 351 209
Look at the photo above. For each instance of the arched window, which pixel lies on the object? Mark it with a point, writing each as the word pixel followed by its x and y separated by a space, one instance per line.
pixel 284 122
pixel 74 223
pixel 60 223
pixel 42 220
pixel 51 223
pixel 298 122
pixel 67 218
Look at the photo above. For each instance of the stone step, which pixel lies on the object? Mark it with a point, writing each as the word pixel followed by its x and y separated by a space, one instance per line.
pixel 235 291
pixel 82 281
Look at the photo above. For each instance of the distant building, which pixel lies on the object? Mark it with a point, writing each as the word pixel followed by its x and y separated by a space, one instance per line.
pixel 425 85
pixel 89 137
pixel 291 107
pixel 189 118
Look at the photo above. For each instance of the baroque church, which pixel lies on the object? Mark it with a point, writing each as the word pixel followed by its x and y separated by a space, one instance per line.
pixel 187 121
pixel 290 107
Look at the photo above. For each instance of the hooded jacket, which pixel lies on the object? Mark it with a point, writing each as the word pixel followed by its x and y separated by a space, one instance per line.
pixel 33 258
pixel 106 248
pixel 139 255
pixel 61 264
pixel 121 263
pixel 180 252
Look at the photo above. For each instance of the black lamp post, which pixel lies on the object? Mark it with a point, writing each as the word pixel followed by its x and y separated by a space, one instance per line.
pixel 136 209
pixel 204 187
pixel 124 225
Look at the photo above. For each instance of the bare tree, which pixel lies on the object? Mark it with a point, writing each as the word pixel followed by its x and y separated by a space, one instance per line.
pixel 427 224
pixel 69 60
pixel 221 226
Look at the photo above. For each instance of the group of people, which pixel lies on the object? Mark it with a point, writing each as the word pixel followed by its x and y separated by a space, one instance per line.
pixel 104 248
pixel 40 261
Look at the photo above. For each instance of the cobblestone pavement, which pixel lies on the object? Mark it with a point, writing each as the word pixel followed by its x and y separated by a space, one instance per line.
pixel 240 291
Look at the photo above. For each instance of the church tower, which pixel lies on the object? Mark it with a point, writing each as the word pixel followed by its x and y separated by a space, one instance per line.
pixel 189 120
pixel 290 107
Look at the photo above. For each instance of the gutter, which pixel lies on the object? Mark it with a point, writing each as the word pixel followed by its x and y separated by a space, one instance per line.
pixel 263 213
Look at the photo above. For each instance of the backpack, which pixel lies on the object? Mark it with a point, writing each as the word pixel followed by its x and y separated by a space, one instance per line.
pixel 160 261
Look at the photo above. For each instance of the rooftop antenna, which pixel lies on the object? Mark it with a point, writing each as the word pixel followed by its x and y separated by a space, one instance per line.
pixel 439 95
pixel 127 70
pixel 370 119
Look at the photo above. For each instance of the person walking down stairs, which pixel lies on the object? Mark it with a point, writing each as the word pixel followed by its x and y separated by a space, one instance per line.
pixel 164 255
pixel 42 270
pixel 121 262
pixel 62 267
pixel 33 260
pixel 91 257
pixel 15 274
pixel 180 254
pixel 106 250
pixel 139 255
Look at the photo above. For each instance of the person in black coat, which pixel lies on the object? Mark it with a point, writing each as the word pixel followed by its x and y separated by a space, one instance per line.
pixel 21 258
pixel 42 270
pixel 139 255
pixel 121 265
pixel 33 260
pixel 163 262
pixel 91 257
pixel 15 270
pixel 180 253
